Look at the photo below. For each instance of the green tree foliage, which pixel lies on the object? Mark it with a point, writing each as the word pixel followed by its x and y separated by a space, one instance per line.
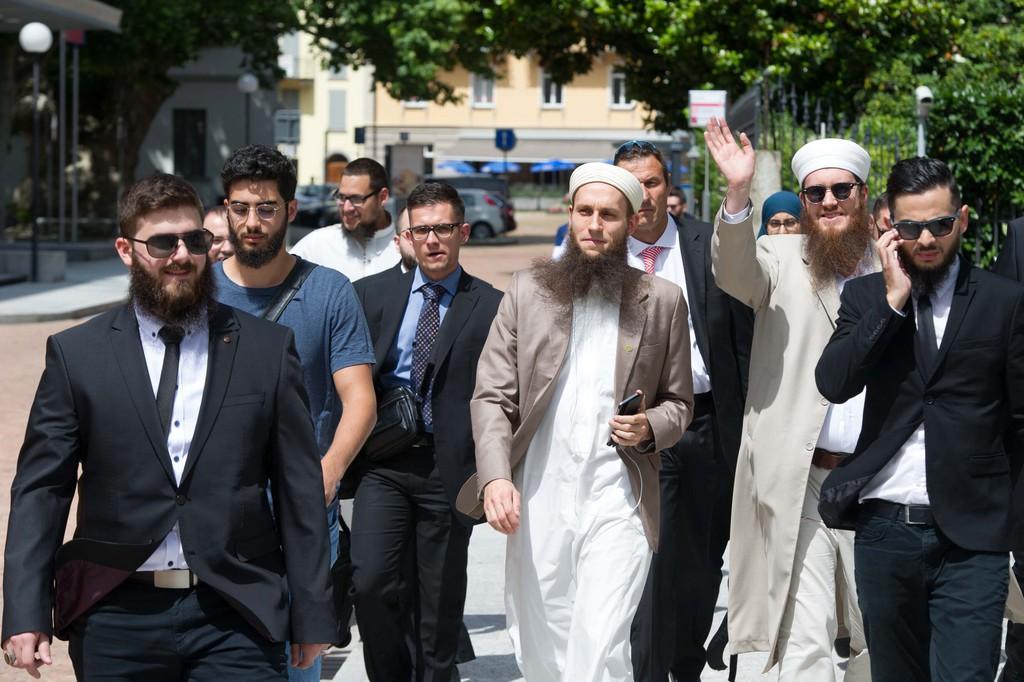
pixel 832 47
pixel 124 76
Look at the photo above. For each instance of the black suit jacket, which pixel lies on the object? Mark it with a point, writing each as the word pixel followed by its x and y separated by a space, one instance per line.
pixel 972 396
pixel 1011 258
pixel 95 408
pixel 452 365
pixel 724 329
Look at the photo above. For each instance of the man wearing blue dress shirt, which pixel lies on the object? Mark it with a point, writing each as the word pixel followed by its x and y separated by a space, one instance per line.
pixel 428 327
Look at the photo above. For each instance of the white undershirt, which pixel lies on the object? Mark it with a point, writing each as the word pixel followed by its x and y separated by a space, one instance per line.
pixel 904 479
pixel 334 247
pixel 188 400
pixel 669 265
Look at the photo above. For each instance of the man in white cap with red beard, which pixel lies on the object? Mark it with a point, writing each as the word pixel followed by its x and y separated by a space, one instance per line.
pixel 791 577
pixel 571 482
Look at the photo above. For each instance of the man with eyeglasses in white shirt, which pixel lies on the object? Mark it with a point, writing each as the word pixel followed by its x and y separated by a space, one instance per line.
pixel 361 244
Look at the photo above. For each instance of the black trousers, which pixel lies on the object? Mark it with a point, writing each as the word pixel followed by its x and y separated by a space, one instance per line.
pixel 933 611
pixel 678 604
pixel 401 507
pixel 139 632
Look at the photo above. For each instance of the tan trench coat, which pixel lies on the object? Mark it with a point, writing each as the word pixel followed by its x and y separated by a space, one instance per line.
pixel 782 419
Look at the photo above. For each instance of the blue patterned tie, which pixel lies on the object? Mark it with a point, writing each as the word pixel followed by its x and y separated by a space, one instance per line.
pixel 426 334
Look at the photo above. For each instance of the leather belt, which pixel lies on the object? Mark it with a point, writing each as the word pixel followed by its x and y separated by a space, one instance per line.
pixel 910 514
pixel 176 579
pixel 703 403
pixel 826 459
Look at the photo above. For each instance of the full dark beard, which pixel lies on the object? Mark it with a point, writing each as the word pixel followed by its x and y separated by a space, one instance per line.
pixel 835 254
pixel 575 275
pixel 257 256
pixel 925 280
pixel 363 231
pixel 183 306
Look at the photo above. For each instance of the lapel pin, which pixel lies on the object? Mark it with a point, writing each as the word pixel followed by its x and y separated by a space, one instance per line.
pixel 629 348
pixel 227 339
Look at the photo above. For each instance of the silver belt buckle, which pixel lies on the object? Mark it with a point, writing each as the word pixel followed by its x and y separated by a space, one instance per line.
pixel 177 579
pixel 906 517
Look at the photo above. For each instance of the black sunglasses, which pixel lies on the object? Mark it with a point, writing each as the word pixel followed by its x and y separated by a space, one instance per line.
pixel 841 191
pixel 163 245
pixel 912 229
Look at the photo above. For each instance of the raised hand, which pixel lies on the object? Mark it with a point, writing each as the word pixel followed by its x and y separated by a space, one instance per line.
pixel 897 281
pixel 734 161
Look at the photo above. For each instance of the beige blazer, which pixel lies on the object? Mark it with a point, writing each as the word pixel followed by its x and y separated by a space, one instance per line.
pixel 782 419
pixel 516 375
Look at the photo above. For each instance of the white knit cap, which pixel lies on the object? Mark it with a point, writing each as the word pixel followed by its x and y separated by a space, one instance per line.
pixel 619 178
pixel 831 152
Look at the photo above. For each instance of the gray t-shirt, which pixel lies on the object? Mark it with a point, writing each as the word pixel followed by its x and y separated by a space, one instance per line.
pixel 330 334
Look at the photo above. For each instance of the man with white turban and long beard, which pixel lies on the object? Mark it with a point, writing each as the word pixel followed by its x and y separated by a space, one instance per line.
pixel 790 576
pixel 565 467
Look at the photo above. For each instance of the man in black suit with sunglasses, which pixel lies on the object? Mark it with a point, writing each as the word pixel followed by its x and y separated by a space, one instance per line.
pixel 939 347
pixel 180 413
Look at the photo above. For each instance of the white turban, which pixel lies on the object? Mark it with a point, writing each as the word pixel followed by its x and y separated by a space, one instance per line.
pixel 831 153
pixel 619 178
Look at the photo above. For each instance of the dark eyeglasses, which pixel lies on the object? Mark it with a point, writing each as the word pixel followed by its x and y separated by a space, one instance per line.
pixel 163 245
pixel 442 230
pixel 912 229
pixel 356 200
pixel 788 223
pixel 841 191
pixel 263 211
pixel 638 147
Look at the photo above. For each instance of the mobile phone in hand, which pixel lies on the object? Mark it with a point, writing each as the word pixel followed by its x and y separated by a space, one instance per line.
pixel 627 407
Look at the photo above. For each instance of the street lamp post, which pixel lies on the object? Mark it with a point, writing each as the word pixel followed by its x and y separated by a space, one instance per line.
pixel 247 84
pixel 35 38
pixel 923 95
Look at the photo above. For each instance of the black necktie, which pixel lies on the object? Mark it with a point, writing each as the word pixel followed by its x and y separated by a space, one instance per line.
pixel 426 333
pixel 927 347
pixel 171 336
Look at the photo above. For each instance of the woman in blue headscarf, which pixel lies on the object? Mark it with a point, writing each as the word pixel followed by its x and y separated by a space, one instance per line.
pixel 780 214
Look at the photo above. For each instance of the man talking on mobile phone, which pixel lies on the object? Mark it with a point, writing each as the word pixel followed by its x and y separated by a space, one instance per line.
pixel 572 339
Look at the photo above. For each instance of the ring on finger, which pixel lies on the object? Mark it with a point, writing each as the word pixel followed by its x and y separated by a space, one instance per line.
pixel 9 657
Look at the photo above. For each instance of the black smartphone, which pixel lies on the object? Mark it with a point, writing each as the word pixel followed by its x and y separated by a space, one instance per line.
pixel 629 406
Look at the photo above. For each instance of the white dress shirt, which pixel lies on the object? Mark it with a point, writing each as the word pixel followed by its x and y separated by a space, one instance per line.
pixel 669 265
pixel 903 479
pixel 841 428
pixel 334 247
pixel 188 400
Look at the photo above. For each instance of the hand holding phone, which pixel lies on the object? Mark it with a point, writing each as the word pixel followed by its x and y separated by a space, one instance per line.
pixel 628 407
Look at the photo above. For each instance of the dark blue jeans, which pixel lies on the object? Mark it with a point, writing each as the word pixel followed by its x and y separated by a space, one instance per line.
pixel 932 610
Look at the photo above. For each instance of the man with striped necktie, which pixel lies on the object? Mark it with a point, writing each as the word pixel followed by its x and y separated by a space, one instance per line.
pixel 696 474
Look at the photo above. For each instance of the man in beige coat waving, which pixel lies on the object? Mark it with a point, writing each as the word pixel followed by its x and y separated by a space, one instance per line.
pixel 787 568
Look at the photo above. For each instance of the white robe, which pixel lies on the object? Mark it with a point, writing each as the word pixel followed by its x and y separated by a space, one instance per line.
pixel 575 569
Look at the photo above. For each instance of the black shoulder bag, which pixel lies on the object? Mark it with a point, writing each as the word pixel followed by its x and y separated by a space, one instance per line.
pixel 289 287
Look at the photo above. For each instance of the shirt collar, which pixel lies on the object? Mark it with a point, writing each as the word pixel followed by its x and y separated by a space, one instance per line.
pixel 449 283
pixel 150 325
pixel 667 240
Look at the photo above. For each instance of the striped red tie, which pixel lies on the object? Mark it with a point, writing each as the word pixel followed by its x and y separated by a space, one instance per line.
pixel 650 257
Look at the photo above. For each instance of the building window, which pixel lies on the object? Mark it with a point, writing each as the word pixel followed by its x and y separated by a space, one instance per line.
pixel 286 126
pixel 414 103
pixel 338 73
pixel 620 98
pixel 550 92
pixel 336 110
pixel 483 92
pixel 189 143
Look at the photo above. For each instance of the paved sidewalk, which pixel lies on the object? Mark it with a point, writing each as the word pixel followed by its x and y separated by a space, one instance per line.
pixel 89 287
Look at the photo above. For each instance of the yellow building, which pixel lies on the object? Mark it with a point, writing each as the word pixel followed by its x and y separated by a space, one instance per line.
pixel 319 111
pixel 584 120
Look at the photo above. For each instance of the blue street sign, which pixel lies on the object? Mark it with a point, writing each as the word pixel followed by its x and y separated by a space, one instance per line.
pixel 505 139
